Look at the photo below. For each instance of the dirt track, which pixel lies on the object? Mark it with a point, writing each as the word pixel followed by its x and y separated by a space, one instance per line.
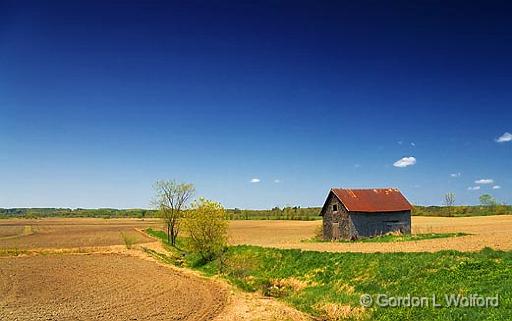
pixel 102 287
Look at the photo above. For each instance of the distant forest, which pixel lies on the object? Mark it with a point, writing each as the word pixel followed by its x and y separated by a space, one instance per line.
pixel 286 213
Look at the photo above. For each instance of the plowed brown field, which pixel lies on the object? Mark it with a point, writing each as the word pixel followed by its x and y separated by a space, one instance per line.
pixel 80 269
pixel 71 233
pixel 102 287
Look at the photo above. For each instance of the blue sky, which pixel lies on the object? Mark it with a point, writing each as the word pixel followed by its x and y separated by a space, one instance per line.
pixel 99 99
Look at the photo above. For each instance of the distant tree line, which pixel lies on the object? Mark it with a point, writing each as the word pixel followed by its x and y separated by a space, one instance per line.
pixel 78 212
pixel 276 213
pixel 462 210
pixel 286 213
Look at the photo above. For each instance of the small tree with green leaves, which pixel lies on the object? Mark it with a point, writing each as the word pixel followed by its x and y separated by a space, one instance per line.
pixel 207 229
pixel 487 200
pixel 171 200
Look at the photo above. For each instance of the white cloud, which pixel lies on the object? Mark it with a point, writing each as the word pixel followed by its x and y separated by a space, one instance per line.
pixel 496 187
pixel 405 161
pixel 473 188
pixel 484 181
pixel 255 180
pixel 506 137
pixel 455 174
pixel 413 144
pixel 277 181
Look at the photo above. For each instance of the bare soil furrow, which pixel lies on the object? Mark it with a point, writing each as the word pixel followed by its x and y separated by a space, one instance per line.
pixel 103 286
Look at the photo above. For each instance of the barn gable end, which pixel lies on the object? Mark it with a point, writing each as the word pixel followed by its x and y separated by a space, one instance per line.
pixel 354 213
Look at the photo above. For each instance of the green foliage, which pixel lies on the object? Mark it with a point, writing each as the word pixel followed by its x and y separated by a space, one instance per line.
pixel 320 282
pixel 178 256
pixel 312 281
pixel 287 213
pixel 487 200
pixel 462 211
pixel 79 212
pixel 207 229
pixel 158 234
pixel 296 213
pixel 394 238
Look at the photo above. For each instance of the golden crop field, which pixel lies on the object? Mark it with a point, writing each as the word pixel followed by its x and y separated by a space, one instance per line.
pixel 484 231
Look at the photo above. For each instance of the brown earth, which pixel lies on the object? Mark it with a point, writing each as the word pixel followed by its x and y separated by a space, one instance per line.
pixel 486 231
pixel 71 233
pixel 102 287
pixel 80 269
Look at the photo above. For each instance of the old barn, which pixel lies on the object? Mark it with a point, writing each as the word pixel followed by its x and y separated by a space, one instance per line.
pixel 354 213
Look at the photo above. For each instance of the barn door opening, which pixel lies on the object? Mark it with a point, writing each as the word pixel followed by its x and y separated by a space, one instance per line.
pixel 335 231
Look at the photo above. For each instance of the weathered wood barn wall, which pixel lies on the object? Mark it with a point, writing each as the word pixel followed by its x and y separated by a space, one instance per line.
pixel 354 213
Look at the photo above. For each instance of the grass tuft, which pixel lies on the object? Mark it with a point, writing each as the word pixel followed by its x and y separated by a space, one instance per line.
pixel 128 240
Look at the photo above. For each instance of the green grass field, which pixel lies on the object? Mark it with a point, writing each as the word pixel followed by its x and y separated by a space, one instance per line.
pixel 329 285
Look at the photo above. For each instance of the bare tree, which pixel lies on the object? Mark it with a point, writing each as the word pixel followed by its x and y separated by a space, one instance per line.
pixel 171 199
pixel 449 199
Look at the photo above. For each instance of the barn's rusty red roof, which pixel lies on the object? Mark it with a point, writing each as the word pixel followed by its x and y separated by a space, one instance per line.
pixel 372 200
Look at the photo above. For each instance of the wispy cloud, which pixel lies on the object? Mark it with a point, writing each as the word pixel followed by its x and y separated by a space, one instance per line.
pixel 473 188
pixel 277 181
pixel 413 144
pixel 405 161
pixel 255 180
pixel 496 187
pixel 455 174
pixel 506 137
pixel 484 181
pixel 399 142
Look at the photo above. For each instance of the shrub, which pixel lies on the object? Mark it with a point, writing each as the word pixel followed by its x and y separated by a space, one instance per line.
pixel 129 240
pixel 207 228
